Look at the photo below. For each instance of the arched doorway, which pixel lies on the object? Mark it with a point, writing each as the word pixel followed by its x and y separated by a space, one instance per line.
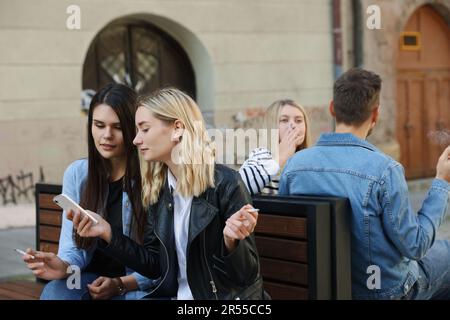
pixel 423 92
pixel 139 54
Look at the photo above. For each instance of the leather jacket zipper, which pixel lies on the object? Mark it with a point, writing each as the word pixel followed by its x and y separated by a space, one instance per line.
pixel 213 284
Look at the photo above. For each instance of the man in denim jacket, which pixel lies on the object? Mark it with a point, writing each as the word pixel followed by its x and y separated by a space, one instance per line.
pixel 390 242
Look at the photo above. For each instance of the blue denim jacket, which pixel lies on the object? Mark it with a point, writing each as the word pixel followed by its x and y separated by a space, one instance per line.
pixel 385 230
pixel 74 177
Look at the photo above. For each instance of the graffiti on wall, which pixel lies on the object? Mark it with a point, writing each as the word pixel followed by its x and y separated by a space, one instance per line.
pixel 19 188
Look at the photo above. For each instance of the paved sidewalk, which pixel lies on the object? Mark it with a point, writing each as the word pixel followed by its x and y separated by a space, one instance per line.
pixel 23 215
pixel 11 263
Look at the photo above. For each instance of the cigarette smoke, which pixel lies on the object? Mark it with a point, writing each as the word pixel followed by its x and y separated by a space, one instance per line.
pixel 441 137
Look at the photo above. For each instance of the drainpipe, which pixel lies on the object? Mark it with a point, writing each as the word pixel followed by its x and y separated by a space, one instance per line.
pixel 337 42
pixel 337 38
pixel 357 32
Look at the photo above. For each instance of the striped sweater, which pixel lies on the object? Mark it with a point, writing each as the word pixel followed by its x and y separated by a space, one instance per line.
pixel 260 172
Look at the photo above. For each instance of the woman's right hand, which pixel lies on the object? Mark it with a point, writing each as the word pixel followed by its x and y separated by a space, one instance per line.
pixel 46 265
pixel 443 166
pixel 287 146
pixel 86 228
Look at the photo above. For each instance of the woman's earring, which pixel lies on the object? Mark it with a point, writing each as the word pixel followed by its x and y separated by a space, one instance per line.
pixel 176 138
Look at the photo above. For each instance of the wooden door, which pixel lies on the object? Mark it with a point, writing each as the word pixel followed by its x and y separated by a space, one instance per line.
pixel 423 93
pixel 140 55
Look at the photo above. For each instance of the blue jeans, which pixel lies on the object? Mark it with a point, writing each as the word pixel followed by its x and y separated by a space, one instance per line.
pixel 434 274
pixel 58 290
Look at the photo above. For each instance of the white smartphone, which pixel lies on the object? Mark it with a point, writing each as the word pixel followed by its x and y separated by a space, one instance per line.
pixel 24 253
pixel 67 204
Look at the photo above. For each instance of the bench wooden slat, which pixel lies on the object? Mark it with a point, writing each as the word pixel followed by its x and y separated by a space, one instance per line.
pixel 291 272
pixel 48 233
pixel 282 249
pixel 38 286
pixel 46 201
pixel 280 291
pixel 50 217
pixel 283 226
pixel 6 294
pixel 28 289
pixel 48 247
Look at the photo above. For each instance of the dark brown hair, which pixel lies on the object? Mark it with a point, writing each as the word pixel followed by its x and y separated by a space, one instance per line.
pixel 356 93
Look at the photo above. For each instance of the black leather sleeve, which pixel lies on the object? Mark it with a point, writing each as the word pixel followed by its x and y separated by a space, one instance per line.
pixel 143 258
pixel 242 263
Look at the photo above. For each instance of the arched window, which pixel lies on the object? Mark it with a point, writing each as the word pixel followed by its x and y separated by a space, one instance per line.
pixel 137 54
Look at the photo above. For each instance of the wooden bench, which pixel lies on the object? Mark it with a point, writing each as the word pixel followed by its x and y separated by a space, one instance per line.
pixel 48 217
pixel 48 228
pixel 304 247
pixel 20 290
pixel 303 243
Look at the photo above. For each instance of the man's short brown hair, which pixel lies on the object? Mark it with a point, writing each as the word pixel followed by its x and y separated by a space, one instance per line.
pixel 356 93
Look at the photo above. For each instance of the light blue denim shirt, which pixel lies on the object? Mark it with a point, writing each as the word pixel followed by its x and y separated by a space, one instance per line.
pixel 385 230
pixel 74 177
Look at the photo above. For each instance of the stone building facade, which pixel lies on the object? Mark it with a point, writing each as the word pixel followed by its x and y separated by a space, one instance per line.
pixel 243 54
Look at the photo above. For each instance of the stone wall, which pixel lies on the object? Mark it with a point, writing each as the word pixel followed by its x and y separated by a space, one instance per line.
pixel 244 53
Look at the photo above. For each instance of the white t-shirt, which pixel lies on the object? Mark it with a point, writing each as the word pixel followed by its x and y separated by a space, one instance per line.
pixel 181 213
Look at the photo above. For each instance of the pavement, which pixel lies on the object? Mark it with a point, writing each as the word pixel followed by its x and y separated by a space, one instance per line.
pixel 11 264
pixel 23 215
pixel 17 230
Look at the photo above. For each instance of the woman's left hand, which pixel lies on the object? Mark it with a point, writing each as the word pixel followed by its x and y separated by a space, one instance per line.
pixel 85 227
pixel 103 288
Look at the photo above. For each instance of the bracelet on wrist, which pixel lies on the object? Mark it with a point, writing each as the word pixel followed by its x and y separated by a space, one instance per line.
pixel 121 290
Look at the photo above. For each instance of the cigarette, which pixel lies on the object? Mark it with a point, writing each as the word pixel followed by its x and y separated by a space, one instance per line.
pixel 242 217
pixel 24 253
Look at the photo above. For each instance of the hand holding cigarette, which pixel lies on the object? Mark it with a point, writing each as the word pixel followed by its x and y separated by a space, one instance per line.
pixel 23 253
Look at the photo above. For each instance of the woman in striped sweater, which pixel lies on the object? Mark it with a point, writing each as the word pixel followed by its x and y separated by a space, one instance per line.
pixel 261 170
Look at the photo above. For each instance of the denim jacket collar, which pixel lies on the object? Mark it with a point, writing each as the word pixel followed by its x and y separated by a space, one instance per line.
pixel 344 139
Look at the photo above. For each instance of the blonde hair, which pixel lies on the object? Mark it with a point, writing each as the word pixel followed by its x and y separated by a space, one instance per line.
pixel 195 151
pixel 273 119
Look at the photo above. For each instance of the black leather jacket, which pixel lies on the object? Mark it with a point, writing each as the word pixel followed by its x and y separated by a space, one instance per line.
pixel 212 273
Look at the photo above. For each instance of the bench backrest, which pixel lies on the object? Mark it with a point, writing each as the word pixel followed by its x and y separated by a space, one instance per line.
pixel 303 242
pixel 304 246
pixel 48 217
